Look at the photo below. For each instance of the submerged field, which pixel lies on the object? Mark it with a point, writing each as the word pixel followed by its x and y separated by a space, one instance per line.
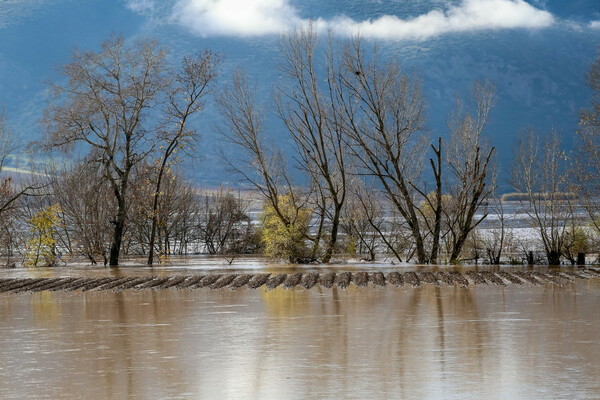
pixel 434 342
pixel 207 331
pixel 306 280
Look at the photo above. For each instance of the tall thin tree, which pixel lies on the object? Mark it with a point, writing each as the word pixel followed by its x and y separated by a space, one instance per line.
pixel 192 83
pixel 104 102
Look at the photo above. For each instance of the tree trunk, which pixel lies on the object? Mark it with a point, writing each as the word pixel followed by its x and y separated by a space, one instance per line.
pixel 553 257
pixel 334 231
pixel 530 259
pixel 154 222
pixel 421 257
pixel 317 239
pixel 458 247
pixel 412 220
pixel 155 205
pixel 115 247
pixel 437 172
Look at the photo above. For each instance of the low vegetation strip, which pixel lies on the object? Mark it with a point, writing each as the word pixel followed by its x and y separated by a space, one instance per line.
pixel 292 280
pixel 258 280
pixel 509 277
pixel 43 284
pixel 207 281
pixel 241 281
pixel 361 279
pixel 342 280
pixel 411 278
pixel 309 280
pixel 189 282
pixel 225 280
pixel 116 283
pixel 458 278
pixel 378 279
pixel 528 277
pixel 327 280
pixel 14 284
pixel 395 278
pixel 275 281
pixel 492 278
pixel 444 277
pixel 428 277
pixel 476 278
pixel 548 278
pixel 129 284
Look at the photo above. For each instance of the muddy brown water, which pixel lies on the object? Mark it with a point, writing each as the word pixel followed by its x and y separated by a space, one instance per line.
pixel 428 342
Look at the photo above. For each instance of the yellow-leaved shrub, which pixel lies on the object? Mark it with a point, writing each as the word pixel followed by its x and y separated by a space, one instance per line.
pixel 41 249
pixel 286 241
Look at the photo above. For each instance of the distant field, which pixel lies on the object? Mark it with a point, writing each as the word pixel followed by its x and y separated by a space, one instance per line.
pixel 525 196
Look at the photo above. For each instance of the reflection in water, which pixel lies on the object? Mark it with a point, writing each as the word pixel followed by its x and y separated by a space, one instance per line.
pixel 427 342
pixel 46 310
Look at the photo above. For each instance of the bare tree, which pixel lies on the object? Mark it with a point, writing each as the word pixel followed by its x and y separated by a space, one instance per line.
pixel 577 242
pixel 7 195
pixel 588 163
pixel 433 202
pixel 7 139
pixel 383 114
pixel 540 171
pixel 225 226
pixel 260 164
pixel 178 214
pixel 363 220
pixel 309 107
pixel 104 103
pixel 191 84
pixel 355 106
pixel 9 192
pixel 9 242
pixel 86 205
pixel 468 159
pixel 495 238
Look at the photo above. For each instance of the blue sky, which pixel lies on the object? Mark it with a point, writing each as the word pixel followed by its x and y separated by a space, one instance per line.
pixel 536 51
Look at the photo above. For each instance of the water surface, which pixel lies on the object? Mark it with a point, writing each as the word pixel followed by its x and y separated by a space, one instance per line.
pixel 429 343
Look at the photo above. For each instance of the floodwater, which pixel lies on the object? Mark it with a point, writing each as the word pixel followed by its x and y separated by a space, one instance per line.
pixel 485 342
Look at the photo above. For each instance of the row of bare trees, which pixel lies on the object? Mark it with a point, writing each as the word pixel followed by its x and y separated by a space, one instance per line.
pixel 359 181
pixel 358 126
pixel 562 188
pixel 187 220
pixel 127 110
pixel 126 104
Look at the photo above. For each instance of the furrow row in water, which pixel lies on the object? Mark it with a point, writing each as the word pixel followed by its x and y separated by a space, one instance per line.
pixel 308 280
pixel 378 278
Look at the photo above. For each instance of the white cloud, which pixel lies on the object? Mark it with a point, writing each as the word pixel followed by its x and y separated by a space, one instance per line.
pixel 470 15
pixel 236 17
pixel 141 6
pixel 260 17
pixel 595 24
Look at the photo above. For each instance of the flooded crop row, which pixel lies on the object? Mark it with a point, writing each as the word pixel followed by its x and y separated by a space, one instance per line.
pixel 289 281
